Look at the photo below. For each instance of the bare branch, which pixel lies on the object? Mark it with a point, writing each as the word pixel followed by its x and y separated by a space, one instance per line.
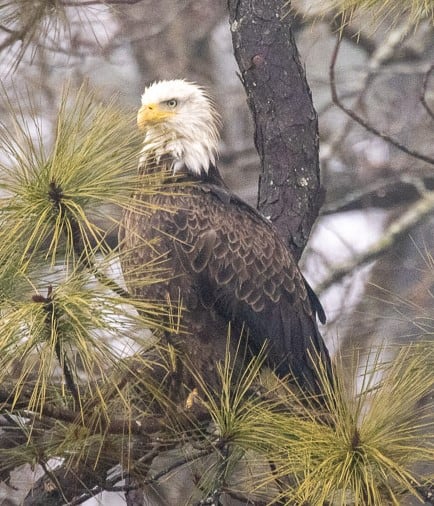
pixel 414 215
pixel 353 115
pixel 239 496
pixel 6 29
pixel 380 55
pixel 424 89
pixel 145 426
pixel 357 35
pixel 14 36
pixel 110 484
pixel 382 194
pixel 85 3
pixel 178 463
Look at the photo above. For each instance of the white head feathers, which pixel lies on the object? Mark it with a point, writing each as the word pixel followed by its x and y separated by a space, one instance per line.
pixel 179 119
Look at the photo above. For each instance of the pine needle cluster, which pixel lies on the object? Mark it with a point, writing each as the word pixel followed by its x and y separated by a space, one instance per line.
pixel 60 312
pixel 363 447
pixel 386 12
pixel 50 191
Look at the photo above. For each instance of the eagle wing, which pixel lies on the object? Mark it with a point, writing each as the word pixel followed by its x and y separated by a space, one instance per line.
pixel 242 270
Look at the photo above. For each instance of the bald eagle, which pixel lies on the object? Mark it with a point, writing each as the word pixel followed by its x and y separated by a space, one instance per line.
pixel 221 261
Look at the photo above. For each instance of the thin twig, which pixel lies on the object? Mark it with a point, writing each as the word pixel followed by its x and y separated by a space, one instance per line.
pixel 85 3
pixel 146 426
pixel 239 496
pixel 52 477
pixel 6 29
pixel 424 89
pixel 110 484
pixel 178 463
pixel 352 114
pixel 382 53
pixel 14 37
pixel 52 328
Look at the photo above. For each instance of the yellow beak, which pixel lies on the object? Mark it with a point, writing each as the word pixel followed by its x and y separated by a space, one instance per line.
pixel 150 114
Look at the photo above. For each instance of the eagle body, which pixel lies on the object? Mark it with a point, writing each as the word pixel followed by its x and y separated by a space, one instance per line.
pixel 217 260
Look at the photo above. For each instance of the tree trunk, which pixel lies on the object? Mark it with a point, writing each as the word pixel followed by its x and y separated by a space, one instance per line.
pixel 286 125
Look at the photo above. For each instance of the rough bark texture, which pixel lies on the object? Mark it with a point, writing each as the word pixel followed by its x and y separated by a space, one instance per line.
pixel 286 126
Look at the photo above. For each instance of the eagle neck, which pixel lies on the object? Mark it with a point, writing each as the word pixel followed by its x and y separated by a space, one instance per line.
pixel 195 154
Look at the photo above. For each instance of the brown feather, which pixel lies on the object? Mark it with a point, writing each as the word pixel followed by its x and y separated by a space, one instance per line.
pixel 221 252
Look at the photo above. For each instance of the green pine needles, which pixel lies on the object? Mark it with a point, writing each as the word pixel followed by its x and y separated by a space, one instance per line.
pixel 413 10
pixel 59 308
pixel 366 452
pixel 387 13
pixel 50 191
pixel 366 445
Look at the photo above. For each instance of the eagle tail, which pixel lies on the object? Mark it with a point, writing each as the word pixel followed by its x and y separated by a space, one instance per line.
pixel 306 356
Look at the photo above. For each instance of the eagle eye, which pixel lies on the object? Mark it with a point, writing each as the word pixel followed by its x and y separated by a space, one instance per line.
pixel 172 103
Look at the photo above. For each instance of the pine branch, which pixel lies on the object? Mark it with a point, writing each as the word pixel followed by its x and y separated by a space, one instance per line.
pixel 149 424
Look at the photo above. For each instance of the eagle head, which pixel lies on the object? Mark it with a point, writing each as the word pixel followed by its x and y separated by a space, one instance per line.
pixel 179 119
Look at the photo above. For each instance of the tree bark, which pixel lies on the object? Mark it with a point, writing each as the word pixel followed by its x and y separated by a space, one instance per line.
pixel 286 124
